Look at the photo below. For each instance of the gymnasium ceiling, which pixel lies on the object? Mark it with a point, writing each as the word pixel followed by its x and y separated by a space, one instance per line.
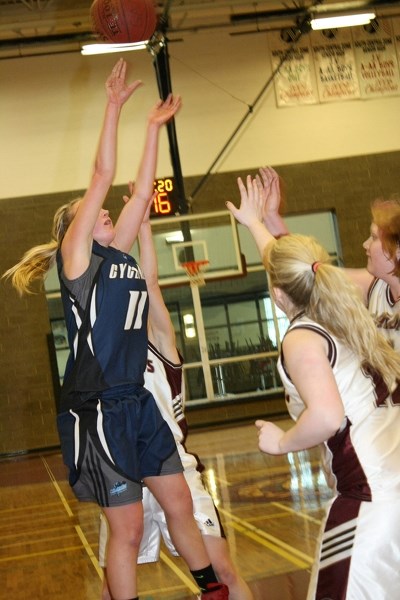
pixel 49 26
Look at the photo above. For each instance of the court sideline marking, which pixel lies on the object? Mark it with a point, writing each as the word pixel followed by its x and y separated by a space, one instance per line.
pixel 298 558
pixel 69 512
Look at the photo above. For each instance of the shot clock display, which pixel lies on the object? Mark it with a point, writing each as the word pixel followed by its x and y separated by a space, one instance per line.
pixel 165 204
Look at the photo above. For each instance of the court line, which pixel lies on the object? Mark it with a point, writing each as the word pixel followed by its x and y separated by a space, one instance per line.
pixel 78 528
pixel 179 573
pixel 42 553
pixel 292 554
pixel 23 509
pixel 298 513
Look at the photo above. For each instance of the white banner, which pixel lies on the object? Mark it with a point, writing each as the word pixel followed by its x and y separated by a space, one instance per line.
pixel 295 83
pixel 335 65
pixel 396 36
pixel 376 59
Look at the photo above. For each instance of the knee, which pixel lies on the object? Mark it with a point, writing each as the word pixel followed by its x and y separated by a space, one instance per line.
pixel 180 505
pixel 130 534
pixel 182 508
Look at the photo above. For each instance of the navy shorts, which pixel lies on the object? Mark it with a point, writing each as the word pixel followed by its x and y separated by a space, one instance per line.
pixel 114 440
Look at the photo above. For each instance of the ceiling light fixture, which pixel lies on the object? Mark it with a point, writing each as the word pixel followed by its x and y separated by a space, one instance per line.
pixel 107 48
pixel 334 22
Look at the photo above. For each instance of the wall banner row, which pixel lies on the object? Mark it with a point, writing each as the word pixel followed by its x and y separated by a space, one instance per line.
pixel 339 64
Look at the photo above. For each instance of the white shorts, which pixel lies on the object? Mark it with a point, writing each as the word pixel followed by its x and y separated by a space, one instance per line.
pixel 358 558
pixel 154 519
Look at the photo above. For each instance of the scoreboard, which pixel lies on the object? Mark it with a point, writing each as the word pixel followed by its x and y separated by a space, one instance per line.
pixel 166 202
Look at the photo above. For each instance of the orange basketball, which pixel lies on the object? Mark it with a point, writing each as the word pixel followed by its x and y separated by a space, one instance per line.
pixel 123 21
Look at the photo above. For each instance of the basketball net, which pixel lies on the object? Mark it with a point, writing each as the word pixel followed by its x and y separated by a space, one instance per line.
pixel 195 271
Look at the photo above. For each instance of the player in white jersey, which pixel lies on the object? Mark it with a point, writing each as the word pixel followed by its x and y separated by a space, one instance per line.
pixel 379 282
pixel 341 379
pixel 164 379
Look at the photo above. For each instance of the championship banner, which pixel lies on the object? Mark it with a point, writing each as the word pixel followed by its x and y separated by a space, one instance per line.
pixel 376 59
pixel 396 36
pixel 295 83
pixel 335 65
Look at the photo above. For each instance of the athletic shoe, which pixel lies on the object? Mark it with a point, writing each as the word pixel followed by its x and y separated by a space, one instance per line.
pixel 216 591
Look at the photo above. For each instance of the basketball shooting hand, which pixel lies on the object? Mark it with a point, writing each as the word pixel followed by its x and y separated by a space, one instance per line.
pixel 269 437
pixel 118 91
pixel 164 110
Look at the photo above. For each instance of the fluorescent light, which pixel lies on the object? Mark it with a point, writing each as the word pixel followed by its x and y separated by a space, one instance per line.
pixel 106 48
pixel 341 21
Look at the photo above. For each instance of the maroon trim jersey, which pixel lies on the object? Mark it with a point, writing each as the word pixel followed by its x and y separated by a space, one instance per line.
pixel 164 380
pixel 359 552
pixel 385 311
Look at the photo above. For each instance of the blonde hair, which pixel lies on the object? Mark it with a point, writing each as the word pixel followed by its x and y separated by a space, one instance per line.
pixel 303 269
pixel 386 216
pixel 37 261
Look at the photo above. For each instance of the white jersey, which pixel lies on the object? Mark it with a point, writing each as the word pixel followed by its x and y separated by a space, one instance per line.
pixel 165 381
pixel 385 311
pixel 359 554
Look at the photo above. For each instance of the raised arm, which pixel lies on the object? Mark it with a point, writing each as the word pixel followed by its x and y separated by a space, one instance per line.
pixel 131 217
pixel 274 199
pixel 251 210
pixel 307 363
pixel 161 331
pixel 77 243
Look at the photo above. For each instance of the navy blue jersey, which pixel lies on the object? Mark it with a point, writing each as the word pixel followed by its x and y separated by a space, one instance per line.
pixel 106 317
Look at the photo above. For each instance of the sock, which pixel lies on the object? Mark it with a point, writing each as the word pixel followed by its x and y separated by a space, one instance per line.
pixel 204 576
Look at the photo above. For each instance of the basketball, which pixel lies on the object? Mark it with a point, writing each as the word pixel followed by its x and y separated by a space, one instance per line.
pixel 123 21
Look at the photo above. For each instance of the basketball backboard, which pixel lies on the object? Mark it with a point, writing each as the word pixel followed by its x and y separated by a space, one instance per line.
pixel 211 237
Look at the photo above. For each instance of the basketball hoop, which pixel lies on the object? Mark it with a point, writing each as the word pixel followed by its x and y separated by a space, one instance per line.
pixel 195 271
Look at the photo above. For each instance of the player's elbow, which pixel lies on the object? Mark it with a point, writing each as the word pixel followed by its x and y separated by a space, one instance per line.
pixel 334 420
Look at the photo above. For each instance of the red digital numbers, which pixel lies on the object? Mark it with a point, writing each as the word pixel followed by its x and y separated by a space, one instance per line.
pixel 162 204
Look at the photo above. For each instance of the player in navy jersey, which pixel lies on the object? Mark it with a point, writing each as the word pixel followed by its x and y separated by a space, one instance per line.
pixel 342 384
pixel 112 434
pixel 164 378
pixel 379 282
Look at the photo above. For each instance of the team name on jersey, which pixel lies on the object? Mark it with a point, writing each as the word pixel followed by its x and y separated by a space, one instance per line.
pixel 124 270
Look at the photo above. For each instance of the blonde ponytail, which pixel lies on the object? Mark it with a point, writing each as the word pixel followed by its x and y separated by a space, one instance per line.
pixel 37 261
pixel 33 265
pixel 299 266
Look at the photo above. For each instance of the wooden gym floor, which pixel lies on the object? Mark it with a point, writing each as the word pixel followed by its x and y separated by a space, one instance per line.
pixel 271 508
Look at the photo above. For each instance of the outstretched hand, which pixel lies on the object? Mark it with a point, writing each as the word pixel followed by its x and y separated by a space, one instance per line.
pixel 164 110
pixel 271 189
pixel 273 199
pixel 118 91
pixel 251 201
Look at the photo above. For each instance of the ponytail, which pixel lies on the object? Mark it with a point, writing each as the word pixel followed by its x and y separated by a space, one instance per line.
pixel 299 266
pixel 37 261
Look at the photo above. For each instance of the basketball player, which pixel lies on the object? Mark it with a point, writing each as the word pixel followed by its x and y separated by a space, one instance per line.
pixel 164 379
pixel 112 433
pixel 341 378
pixel 379 282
